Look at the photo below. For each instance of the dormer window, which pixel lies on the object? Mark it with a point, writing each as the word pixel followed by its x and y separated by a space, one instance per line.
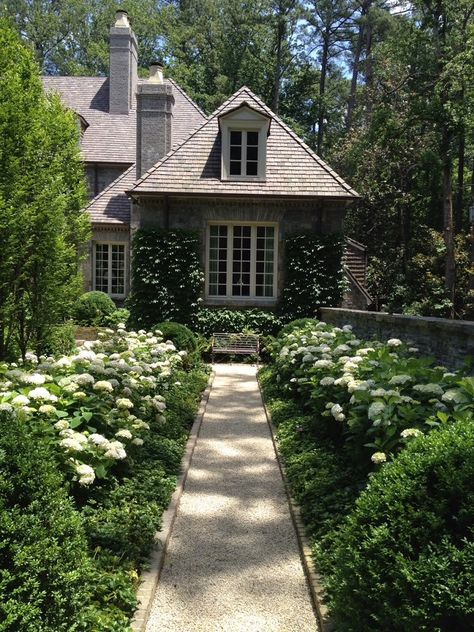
pixel 244 143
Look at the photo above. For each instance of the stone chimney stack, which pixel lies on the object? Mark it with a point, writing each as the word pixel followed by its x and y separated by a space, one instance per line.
pixel 155 102
pixel 123 65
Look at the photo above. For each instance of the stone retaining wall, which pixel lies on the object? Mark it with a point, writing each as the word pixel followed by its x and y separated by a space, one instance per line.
pixel 451 342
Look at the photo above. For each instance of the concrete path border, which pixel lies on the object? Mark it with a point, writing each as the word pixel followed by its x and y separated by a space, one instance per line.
pixel 149 579
pixel 313 578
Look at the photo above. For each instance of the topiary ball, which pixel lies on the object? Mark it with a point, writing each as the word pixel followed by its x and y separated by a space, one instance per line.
pixel 405 556
pixel 92 308
pixel 180 335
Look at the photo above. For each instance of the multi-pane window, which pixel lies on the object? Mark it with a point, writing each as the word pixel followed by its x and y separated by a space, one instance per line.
pixel 243 153
pixel 241 261
pixel 109 273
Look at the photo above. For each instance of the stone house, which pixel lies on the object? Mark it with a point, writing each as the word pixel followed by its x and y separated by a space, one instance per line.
pixel 240 177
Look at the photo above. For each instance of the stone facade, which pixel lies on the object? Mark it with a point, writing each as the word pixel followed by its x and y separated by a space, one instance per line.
pixel 291 216
pixel 451 342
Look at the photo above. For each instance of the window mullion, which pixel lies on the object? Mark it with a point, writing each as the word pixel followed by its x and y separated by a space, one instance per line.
pixel 253 260
pixel 243 170
pixel 230 241
pixel 109 269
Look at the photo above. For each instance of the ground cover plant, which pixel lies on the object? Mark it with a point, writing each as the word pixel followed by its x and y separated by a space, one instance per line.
pixel 346 410
pixel 90 446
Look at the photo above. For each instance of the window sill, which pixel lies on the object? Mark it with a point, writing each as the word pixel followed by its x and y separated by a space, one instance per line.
pixel 243 179
pixel 234 301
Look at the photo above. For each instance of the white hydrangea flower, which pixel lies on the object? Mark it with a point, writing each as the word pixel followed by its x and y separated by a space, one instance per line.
pixel 124 434
pixel 124 404
pixel 116 451
pixel 6 408
pixel 79 395
pixel 137 441
pixel 86 474
pixel 413 349
pixel 20 400
pixel 31 357
pixel 42 394
pixel 378 457
pixel 323 364
pixel 347 328
pixel 62 424
pixel 327 381
pixel 394 342
pixel 63 363
pixel 307 358
pixel 454 396
pixel 336 409
pixel 47 409
pixel 365 351
pixel 71 444
pixel 410 432
pixel 429 389
pixel 103 386
pixel 375 410
pixel 35 379
pixel 378 392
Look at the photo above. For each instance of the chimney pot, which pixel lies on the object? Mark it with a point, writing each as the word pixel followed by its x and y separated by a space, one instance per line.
pixel 121 19
pixel 156 72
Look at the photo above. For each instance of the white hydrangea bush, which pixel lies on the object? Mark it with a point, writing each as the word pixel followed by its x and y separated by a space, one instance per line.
pixel 96 405
pixel 381 394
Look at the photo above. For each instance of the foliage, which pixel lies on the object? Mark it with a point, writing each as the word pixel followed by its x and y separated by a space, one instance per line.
pixel 117 317
pixel 167 277
pixel 294 325
pixel 180 335
pixel 313 274
pixel 45 568
pixel 375 397
pixel 59 340
pixel 404 558
pixel 90 451
pixel 42 192
pixel 210 321
pixel 93 308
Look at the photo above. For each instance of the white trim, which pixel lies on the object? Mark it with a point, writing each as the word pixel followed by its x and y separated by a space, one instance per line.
pixel 109 271
pixel 244 120
pixel 229 297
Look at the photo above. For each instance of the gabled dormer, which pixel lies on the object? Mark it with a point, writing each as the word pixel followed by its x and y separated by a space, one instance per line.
pixel 244 131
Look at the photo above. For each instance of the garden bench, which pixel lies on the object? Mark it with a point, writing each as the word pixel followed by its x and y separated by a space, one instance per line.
pixel 238 344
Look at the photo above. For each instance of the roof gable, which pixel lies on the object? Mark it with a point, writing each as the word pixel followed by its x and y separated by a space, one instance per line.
pixel 292 168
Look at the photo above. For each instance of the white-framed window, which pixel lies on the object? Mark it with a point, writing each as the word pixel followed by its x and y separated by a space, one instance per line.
pixel 242 261
pixel 244 134
pixel 109 268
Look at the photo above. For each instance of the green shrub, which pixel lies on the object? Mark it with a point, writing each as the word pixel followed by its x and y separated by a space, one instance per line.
pixel 180 335
pixel 118 316
pixel 210 321
pixel 292 326
pixel 45 571
pixel 92 308
pixel 404 559
pixel 59 340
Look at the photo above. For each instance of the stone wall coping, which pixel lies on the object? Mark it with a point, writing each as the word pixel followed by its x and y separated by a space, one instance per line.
pixel 454 326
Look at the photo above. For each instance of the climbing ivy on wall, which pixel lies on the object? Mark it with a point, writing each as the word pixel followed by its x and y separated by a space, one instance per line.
pixel 167 277
pixel 313 274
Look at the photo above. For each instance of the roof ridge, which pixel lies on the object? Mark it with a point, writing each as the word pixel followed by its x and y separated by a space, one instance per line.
pixel 186 96
pixel 301 142
pixel 111 185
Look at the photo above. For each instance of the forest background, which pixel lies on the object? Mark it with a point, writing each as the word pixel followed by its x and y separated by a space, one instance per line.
pixel 382 90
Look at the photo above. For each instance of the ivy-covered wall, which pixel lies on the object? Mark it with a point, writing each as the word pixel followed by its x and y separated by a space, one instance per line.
pixel 313 274
pixel 167 277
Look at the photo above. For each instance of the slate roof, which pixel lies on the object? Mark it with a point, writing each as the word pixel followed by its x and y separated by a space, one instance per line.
pixel 292 169
pixel 111 138
pixel 112 205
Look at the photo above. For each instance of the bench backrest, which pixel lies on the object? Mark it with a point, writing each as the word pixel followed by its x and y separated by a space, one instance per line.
pixel 235 343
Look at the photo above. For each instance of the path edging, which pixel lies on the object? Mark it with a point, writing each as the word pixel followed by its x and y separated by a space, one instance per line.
pixel 313 578
pixel 149 579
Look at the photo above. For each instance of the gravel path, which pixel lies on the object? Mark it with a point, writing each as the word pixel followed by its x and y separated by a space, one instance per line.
pixel 233 562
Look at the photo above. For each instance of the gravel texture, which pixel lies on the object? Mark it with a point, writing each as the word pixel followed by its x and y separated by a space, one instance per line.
pixel 233 561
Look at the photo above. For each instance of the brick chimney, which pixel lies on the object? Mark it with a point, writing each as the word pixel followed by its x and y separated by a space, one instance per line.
pixel 123 65
pixel 155 102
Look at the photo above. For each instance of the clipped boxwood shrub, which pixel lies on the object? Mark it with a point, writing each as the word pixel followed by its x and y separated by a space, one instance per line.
pixel 404 559
pixel 92 308
pixel 45 571
pixel 294 325
pixel 180 335
pixel 260 321
pixel 59 340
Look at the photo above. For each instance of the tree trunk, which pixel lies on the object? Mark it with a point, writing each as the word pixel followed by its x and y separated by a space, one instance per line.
pixel 355 76
pixel 450 265
pixel 460 190
pixel 322 91
pixel 278 62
